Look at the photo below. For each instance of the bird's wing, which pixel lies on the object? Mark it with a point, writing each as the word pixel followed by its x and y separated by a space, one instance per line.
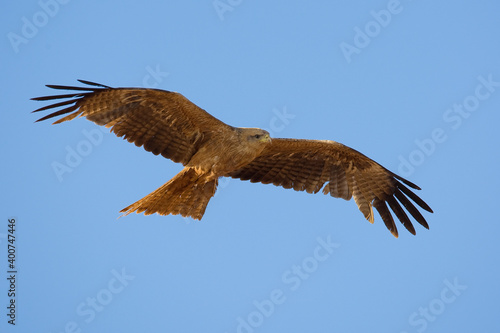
pixel 307 165
pixel 163 122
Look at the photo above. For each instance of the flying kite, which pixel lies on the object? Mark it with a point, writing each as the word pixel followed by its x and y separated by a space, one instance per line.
pixel 167 123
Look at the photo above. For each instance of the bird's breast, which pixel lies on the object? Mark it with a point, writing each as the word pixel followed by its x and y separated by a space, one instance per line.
pixel 220 157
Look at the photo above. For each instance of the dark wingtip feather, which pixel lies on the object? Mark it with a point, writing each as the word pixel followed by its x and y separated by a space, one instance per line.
pixel 90 83
pixel 407 182
pixel 411 208
pixel 401 215
pixel 414 197
pixel 55 86
pixel 47 98
pixel 71 101
pixel 74 98
pixel 58 113
pixel 386 216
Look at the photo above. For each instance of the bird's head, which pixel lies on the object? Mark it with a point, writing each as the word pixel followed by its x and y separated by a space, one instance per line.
pixel 256 135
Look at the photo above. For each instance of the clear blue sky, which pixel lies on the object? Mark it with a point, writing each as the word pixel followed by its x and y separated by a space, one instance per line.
pixel 414 85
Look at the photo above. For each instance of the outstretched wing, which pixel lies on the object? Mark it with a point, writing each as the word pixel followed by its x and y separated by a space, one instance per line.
pixel 163 122
pixel 307 165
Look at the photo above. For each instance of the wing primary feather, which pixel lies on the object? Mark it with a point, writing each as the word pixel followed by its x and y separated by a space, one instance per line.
pixel 46 98
pixel 90 83
pixel 53 86
pixel 411 208
pixel 414 197
pixel 60 112
pixel 400 213
pixel 71 101
pixel 386 216
pixel 407 182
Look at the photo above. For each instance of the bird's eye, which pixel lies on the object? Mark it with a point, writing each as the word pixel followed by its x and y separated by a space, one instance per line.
pixel 257 136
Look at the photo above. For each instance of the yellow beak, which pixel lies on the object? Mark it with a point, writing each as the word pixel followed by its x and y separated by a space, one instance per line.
pixel 266 138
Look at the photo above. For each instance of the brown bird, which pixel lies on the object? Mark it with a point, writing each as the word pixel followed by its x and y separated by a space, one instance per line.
pixel 167 123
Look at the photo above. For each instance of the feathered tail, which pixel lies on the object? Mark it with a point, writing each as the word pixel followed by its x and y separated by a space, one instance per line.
pixel 188 194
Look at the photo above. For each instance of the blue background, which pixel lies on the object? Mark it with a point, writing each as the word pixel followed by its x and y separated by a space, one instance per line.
pixel 255 263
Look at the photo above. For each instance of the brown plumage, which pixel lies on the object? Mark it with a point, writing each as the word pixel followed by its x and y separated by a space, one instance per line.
pixel 167 123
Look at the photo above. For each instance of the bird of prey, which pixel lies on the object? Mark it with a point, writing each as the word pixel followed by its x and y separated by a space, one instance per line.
pixel 167 123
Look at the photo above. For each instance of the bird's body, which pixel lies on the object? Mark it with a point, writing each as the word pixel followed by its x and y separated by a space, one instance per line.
pixel 211 158
pixel 167 123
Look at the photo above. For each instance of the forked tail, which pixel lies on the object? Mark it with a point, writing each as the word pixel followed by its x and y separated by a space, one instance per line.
pixel 187 194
